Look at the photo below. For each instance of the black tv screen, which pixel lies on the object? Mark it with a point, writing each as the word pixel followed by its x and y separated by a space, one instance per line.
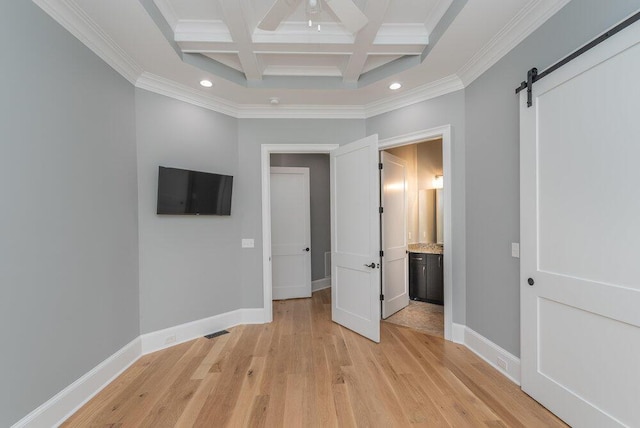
pixel 181 191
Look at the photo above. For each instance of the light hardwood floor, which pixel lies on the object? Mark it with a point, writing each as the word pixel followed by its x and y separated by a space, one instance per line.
pixel 302 370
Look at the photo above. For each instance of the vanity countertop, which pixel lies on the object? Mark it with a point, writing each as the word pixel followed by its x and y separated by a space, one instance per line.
pixel 426 248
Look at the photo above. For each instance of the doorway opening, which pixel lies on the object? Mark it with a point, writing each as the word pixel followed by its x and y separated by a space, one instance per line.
pixel 287 151
pixel 443 132
pixel 300 224
pixel 431 239
pixel 413 204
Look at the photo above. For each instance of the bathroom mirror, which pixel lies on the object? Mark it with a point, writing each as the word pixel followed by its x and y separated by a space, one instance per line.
pixel 430 216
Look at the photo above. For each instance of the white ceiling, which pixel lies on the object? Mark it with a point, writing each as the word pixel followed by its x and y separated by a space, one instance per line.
pixel 305 69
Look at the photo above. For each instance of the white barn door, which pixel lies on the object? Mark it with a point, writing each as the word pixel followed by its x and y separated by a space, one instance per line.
pixel 355 237
pixel 580 237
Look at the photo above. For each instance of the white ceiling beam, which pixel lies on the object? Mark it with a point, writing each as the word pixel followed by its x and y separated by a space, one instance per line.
pixel 375 11
pixel 238 27
pixel 299 48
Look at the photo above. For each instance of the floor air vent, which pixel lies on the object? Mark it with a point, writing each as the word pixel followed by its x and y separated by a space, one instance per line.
pixel 216 334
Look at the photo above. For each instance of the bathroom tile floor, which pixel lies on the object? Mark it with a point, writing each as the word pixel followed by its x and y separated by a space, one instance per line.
pixel 421 316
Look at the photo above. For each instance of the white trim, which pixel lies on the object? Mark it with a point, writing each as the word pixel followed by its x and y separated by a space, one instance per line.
pixel 266 150
pixel 422 93
pixel 68 14
pixel 178 91
pixel 300 112
pixel 65 403
pixel 532 16
pixel 443 132
pixel 320 284
pixel 457 335
pixel 490 352
pixel 71 17
pixel 168 337
pixel 168 12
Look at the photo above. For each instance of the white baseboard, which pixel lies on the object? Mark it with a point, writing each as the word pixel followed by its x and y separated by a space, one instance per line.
pixel 458 333
pixel 491 353
pixel 320 284
pixel 65 403
pixel 161 339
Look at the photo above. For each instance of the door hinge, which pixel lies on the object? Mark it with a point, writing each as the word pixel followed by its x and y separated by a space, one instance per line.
pixel 381 297
pixel 381 253
pixel 380 210
pixel 380 165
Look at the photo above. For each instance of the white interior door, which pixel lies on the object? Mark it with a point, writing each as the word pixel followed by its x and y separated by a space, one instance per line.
pixel 355 237
pixel 580 236
pixel 395 281
pixel 290 233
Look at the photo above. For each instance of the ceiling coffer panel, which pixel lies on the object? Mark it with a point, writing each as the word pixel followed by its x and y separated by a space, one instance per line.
pixel 345 11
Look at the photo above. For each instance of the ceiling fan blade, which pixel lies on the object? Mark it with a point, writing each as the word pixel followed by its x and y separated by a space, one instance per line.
pixel 348 13
pixel 279 11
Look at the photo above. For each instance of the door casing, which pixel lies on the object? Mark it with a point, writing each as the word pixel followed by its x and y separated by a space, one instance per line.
pixel 443 132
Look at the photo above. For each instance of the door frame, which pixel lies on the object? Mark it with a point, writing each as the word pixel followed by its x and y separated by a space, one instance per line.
pixel 443 132
pixel 266 151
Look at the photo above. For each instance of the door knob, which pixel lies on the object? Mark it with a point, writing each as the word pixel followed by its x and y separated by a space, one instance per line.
pixel 372 265
pixel 306 249
pixel 530 281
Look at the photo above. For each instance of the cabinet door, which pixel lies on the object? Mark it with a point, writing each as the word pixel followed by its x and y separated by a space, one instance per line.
pixel 435 283
pixel 417 276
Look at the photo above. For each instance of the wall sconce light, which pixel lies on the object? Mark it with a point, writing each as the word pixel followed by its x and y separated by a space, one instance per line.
pixel 438 182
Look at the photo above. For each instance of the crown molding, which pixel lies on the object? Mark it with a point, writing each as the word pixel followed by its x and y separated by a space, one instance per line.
pixel 68 14
pixel 532 16
pixel 301 112
pixel 178 91
pixel 421 93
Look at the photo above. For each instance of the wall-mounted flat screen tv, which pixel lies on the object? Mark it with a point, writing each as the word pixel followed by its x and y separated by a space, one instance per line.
pixel 185 192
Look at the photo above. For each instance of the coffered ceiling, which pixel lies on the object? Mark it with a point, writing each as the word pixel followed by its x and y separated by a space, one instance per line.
pixel 338 65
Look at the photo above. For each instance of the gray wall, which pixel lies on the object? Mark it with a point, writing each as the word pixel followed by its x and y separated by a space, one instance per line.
pixel 492 153
pixel 189 265
pixel 252 133
pixel 318 165
pixel 445 110
pixel 68 222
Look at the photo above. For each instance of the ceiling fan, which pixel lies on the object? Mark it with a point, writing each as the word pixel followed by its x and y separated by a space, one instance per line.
pixel 347 12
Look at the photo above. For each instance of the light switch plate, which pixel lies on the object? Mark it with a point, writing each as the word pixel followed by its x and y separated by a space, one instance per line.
pixel 515 250
pixel 248 243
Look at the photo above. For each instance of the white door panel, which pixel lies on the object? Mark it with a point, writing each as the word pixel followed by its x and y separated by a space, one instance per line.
pixel 395 282
pixel 355 237
pixel 580 237
pixel 290 233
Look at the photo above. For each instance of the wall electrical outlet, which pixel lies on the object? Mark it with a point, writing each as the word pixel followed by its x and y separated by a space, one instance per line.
pixel 248 243
pixel 502 363
pixel 515 250
pixel 170 339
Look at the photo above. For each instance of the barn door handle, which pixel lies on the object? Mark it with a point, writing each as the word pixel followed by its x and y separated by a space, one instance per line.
pixel 372 265
pixel 306 249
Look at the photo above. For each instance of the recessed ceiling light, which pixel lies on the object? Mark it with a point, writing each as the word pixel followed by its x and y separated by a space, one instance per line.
pixel 206 83
pixel 395 86
pixel 274 101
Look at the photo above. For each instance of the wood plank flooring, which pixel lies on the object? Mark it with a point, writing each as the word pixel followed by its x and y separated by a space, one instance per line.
pixel 302 370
